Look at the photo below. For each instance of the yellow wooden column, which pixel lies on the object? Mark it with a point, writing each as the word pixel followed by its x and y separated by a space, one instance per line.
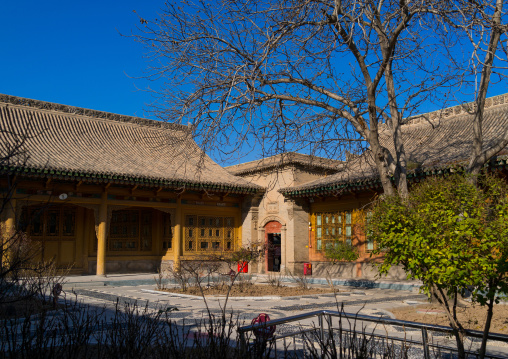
pixel 177 236
pixel 101 235
pixel 8 227
pixel 10 218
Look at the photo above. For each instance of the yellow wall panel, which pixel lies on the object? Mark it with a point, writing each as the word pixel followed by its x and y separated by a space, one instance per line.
pixel 51 250
pixel 67 253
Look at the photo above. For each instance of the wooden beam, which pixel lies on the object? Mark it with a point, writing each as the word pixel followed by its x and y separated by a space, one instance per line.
pixel 107 186
pixel 157 191
pixel 47 183
pixel 77 185
pixel 133 188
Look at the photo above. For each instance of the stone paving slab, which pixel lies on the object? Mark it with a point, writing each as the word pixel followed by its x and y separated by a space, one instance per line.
pixel 136 279
pixel 369 301
pixel 316 306
pixel 145 295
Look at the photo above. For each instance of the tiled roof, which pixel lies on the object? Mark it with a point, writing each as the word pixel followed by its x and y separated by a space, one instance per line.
pixel 74 143
pixel 433 142
pixel 321 164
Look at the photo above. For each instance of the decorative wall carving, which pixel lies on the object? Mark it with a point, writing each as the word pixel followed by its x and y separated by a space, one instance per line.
pixel 290 212
pixel 272 207
pixel 255 219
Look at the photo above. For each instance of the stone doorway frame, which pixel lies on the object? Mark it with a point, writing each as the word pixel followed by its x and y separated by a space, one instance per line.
pixel 279 228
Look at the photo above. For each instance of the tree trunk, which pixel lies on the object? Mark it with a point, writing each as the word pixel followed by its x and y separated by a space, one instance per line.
pixel 458 330
pixel 382 168
pixel 400 172
pixel 478 159
pixel 486 329
pixel 459 338
pixel 372 136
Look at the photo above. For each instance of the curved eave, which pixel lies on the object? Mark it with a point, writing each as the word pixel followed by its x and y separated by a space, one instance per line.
pixel 414 176
pixel 105 178
pixel 252 171
pixel 334 189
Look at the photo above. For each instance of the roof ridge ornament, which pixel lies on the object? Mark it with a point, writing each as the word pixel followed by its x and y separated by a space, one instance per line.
pixel 67 109
pixel 462 109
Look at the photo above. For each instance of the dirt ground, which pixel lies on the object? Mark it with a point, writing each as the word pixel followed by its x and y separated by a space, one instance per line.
pixel 252 290
pixel 472 317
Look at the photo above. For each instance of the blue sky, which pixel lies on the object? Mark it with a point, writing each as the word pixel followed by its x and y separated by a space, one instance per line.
pixel 71 52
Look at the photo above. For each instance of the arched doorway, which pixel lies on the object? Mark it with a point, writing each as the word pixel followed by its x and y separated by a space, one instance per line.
pixel 273 242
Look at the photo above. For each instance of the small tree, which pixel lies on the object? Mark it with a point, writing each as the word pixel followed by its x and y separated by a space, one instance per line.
pixel 341 251
pixel 451 235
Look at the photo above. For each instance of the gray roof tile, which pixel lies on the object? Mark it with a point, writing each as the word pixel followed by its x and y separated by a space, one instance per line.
pixel 64 138
pixel 285 159
pixel 435 140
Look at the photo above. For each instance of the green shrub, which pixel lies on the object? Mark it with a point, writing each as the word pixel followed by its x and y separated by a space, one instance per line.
pixel 341 251
pixel 451 235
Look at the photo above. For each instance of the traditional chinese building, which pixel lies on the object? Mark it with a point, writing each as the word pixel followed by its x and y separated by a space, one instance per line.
pixel 110 193
pixel 435 143
pixel 279 222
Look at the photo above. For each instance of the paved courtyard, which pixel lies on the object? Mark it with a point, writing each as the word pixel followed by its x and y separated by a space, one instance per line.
pixel 140 289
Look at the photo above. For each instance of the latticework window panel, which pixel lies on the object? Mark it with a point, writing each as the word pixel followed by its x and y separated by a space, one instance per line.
pixel 209 233
pixel 50 223
pixel 54 228
pixel 131 230
pixel 333 227
pixel 229 234
pixel 146 231
pixel 167 233
pixel 190 233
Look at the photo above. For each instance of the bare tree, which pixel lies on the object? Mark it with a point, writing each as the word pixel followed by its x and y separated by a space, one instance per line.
pixel 22 273
pixel 485 30
pixel 12 154
pixel 321 75
pixel 485 23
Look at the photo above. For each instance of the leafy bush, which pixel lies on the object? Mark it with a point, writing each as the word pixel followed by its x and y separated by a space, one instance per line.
pixel 451 235
pixel 341 251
